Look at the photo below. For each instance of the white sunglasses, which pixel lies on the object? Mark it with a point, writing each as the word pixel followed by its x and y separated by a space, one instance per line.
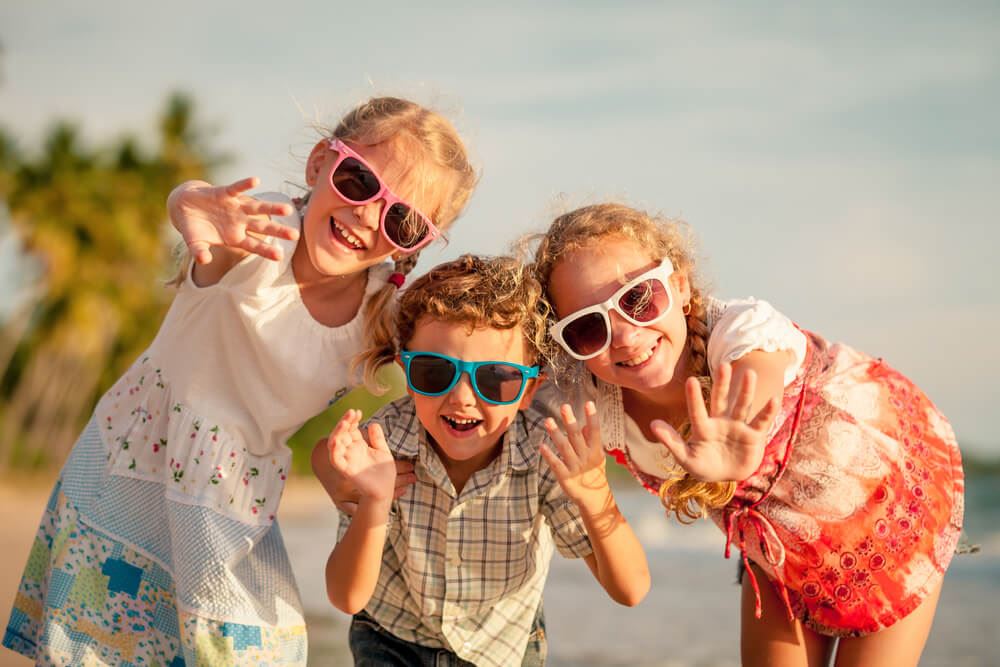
pixel 642 301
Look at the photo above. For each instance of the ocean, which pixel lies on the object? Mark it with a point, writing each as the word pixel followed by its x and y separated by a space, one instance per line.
pixel 691 616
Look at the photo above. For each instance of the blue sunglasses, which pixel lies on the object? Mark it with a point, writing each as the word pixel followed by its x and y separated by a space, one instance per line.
pixel 496 382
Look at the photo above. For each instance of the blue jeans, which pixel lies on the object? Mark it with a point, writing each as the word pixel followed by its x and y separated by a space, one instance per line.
pixel 374 646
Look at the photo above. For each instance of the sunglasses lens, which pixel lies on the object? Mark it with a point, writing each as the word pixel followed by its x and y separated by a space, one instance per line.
pixel 354 181
pixel 586 334
pixel 500 383
pixel 646 301
pixel 431 375
pixel 404 226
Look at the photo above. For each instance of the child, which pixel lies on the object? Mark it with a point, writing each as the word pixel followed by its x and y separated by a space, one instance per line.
pixel 850 503
pixel 159 545
pixel 454 569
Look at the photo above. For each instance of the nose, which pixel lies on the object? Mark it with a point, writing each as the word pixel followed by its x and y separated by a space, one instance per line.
pixel 462 393
pixel 369 215
pixel 623 332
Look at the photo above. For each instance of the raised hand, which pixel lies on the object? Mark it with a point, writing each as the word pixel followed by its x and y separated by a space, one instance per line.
pixel 367 465
pixel 725 444
pixel 208 215
pixel 580 465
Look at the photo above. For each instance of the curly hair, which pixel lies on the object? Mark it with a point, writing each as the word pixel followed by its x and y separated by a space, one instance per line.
pixel 585 227
pixel 474 291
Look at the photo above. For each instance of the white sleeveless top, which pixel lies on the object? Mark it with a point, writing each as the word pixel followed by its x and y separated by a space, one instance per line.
pixel 236 368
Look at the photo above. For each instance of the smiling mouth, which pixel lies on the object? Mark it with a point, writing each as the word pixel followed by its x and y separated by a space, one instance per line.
pixel 344 235
pixel 641 358
pixel 462 424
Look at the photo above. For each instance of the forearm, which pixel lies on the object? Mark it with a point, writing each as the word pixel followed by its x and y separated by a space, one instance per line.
pixel 353 566
pixel 618 562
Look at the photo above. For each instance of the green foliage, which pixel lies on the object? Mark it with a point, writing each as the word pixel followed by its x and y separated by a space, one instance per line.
pixel 94 221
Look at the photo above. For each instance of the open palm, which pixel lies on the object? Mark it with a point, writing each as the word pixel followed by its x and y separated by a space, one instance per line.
pixel 725 443
pixel 207 216
pixel 369 467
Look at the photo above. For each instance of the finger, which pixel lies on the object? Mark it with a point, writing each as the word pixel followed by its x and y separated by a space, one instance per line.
pixel 695 402
pixel 201 251
pixel 242 185
pixel 376 437
pixel 346 507
pixel 404 466
pixel 558 467
pixel 574 433
pixel 566 452
pixel 405 480
pixel 400 490
pixel 744 397
pixel 260 209
pixel 671 439
pixel 719 397
pixel 762 420
pixel 592 430
pixel 258 247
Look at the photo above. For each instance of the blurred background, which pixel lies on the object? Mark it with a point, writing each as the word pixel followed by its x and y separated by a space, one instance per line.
pixel 840 161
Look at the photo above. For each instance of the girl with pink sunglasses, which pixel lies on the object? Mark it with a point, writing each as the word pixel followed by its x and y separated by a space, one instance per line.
pixel 159 544
pixel 837 479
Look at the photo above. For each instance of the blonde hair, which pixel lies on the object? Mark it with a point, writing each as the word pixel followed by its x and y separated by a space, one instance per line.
pixel 477 292
pixel 586 227
pixel 437 161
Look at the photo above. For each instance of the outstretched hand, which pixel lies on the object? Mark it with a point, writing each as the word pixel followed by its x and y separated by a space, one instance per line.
pixel 725 444
pixel 368 465
pixel 223 215
pixel 580 465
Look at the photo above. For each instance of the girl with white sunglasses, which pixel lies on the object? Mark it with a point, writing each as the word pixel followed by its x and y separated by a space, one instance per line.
pixel 836 478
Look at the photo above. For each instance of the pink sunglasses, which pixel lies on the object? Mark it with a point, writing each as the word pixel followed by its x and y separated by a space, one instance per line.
pixel 356 182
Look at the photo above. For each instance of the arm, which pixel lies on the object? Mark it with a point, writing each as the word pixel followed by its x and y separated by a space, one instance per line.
pixel 618 562
pixel 221 225
pixel 353 567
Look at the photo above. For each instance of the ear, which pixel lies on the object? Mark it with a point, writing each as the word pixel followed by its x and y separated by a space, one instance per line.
pixel 529 392
pixel 683 287
pixel 316 161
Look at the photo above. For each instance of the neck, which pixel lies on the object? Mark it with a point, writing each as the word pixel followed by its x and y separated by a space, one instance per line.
pixel 460 472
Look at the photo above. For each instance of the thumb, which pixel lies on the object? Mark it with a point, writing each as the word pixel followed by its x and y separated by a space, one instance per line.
pixel 376 437
pixel 671 439
pixel 200 251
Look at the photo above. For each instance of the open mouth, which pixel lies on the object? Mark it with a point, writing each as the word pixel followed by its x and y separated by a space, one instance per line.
pixel 462 424
pixel 344 235
pixel 641 358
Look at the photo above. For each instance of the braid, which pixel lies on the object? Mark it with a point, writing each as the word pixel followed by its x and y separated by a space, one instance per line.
pixel 380 325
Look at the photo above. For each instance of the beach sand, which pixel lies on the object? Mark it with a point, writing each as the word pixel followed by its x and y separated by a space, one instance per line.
pixel 689 618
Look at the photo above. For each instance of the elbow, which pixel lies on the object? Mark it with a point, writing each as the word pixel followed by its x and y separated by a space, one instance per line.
pixel 634 593
pixel 347 603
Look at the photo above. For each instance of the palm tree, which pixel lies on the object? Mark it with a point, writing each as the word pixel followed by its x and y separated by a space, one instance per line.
pixel 94 221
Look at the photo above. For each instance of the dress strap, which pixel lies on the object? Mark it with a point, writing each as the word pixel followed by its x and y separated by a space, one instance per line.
pixel 741 517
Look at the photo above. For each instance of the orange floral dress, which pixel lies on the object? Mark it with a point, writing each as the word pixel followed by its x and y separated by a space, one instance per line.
pixel 856 509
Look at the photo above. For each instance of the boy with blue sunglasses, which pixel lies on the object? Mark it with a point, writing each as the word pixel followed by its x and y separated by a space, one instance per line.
pixel 452 571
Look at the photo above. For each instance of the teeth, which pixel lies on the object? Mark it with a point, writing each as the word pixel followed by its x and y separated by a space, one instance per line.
pixel 635 361
pixel 351 238
pixel 461 420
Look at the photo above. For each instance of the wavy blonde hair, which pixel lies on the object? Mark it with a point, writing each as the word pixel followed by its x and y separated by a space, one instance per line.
pixel 477 292
pixel 589 226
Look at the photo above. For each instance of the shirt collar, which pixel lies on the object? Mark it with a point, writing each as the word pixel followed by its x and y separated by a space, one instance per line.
pixel 405 435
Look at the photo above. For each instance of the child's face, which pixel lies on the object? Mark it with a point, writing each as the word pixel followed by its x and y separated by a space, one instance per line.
pixel 463 428
pixel 343 238
pixel 643 359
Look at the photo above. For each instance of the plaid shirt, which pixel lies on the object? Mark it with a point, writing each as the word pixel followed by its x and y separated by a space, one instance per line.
pixel 465 572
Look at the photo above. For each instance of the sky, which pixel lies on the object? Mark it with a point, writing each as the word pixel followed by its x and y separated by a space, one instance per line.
pixel 839 160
